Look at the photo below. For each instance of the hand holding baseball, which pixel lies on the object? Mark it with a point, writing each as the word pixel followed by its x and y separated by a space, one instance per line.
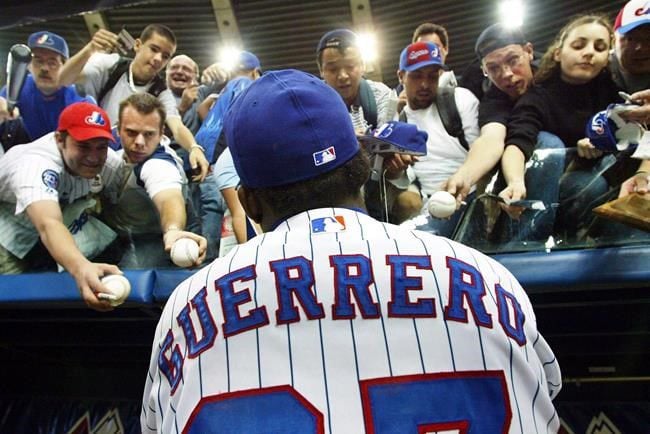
pixel 118 288
pixel 188 253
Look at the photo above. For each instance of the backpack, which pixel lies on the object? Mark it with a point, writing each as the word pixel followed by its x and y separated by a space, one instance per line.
pixel 446 103
pixel 116 72
pixel 368 103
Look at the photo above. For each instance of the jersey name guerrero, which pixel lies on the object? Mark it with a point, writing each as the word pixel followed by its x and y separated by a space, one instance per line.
pixel 354 287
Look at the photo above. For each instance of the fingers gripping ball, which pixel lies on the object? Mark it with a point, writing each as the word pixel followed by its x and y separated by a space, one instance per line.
pixel 185 252
pixel 119 289
pixel 442 204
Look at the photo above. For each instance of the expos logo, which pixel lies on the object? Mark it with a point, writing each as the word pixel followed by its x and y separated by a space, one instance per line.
pixel 645 10
pixel 44 40
pixel 385 130
pixel 50 178
pixel 95 118
pixel 598 123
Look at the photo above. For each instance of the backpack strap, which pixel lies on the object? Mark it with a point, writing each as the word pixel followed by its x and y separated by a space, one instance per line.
pixel 446 103
pixel 367 99
pixel 122 66
pixel 116 71
pixel 402 116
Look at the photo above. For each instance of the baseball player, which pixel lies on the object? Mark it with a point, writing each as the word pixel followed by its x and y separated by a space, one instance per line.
pixel 150 205
pixel 365 327
pixel 40 179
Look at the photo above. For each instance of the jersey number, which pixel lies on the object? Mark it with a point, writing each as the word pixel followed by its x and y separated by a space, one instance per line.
pixel 464 402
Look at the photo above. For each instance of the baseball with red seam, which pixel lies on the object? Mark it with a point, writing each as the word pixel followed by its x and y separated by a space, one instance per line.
pixel 119 289
pixel 185 252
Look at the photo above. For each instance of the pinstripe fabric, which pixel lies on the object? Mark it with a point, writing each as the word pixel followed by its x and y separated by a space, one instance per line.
pixel 35 172
pixel 324 358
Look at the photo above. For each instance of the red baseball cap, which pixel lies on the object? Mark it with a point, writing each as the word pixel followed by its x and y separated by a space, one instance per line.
pixel 85 121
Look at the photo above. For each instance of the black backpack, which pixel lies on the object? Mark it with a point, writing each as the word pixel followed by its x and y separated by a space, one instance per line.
pixel 117 70
pixel 446 103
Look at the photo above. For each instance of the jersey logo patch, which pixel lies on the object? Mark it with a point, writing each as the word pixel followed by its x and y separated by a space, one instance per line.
pixel 50 179
pixel 328 224
pixel 324 156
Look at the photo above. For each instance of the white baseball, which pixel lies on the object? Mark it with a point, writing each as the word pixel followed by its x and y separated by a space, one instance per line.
pixel 119 289
pixel 185 252
pixel 442 204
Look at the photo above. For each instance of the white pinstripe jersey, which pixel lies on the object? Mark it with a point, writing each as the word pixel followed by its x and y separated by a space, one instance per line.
pixel 34 172
pixel 337 323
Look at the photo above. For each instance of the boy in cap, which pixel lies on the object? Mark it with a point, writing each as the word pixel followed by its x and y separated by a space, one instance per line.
pixel 370 104
pixel 42 99
pixel 40 179
pixel 352 323
pixel 110 78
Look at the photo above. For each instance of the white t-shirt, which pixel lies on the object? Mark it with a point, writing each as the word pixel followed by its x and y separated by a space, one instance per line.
pixel 445 154
pixel 34 172
pixel 96 73
pixel 334 321
pixel 134 210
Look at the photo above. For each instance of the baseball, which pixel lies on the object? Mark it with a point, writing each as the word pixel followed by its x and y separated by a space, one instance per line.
pixel 119 289
pixel 185 252
pixel 442 204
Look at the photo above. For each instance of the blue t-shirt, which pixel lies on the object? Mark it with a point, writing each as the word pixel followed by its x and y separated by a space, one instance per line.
pixel 40 113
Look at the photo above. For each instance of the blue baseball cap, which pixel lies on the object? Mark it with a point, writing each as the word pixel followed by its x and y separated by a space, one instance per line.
pixel 399 137
pixel 288 126
pixel 418 55
pixel 49 41
pixel 338 38
pixel 248 60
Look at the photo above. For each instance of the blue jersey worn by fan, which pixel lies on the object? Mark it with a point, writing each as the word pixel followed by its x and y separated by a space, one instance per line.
pixel 210 130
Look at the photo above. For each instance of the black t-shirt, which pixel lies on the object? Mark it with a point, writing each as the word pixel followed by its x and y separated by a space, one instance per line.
pixel 495 107
pixel 559 108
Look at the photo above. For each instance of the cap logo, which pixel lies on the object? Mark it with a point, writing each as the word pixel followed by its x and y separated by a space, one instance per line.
pixel 384 131
pixel 598 123
pixel 324 156
pixel 413 55
pixel 645 10
pixel 44 39
pixel 96 119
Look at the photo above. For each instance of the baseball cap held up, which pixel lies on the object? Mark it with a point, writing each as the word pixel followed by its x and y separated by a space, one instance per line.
pixel 85 121
pixel 635 13
pixel 49 41
pixel 498 36
pixel 288 126
pixel 418 55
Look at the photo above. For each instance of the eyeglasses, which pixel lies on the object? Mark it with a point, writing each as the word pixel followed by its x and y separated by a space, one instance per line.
pixel 51 63
pixel 498 70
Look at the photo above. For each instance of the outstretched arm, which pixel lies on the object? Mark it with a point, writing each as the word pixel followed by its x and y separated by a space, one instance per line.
pixel 48 221
pixel 102 41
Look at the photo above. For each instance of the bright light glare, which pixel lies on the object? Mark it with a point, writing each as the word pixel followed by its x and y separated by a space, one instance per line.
pixel 229 56
pixel 511 13
pixel 367 43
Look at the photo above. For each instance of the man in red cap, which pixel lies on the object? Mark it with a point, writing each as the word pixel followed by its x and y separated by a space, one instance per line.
pixel 41 180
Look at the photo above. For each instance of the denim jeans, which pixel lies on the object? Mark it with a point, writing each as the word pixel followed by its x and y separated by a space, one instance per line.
pixel 209 206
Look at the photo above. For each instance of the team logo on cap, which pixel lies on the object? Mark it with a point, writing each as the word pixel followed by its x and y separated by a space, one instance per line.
pixel 384 131
pixel 95 118
pixel 324 156
pixel 50 179
pixel 44 39
pixel 598 124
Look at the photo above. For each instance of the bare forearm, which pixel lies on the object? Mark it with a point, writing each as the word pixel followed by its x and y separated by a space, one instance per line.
pixel 171 208
pixel 513 164
pixel 72 69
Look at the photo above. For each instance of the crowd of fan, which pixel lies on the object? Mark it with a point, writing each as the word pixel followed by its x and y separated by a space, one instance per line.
pixel 73 189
